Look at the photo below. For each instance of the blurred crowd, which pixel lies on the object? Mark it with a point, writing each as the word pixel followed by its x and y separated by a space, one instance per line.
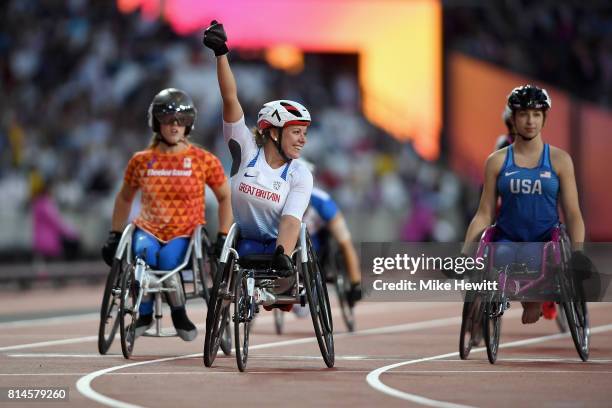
pixel 77 78
pixel 567 44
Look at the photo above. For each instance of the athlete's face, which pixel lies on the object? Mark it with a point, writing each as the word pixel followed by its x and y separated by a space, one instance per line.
pixel 294 139
pixel 172 133
pixel 529 123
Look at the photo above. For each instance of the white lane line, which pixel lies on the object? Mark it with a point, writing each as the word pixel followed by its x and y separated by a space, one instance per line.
pixel 50 343
pixel 373 378
pixel 48 321
pixel 84 384
pixel 60 355
pixel 360 372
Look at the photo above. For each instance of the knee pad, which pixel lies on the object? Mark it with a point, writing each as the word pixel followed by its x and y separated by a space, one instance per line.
pixel 177 296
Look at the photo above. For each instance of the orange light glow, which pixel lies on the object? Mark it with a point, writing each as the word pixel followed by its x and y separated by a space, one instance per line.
pixel 399 45
pixel 286 57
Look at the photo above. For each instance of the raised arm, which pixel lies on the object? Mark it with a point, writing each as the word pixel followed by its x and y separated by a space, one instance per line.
pixel 215 39
pixel 488 200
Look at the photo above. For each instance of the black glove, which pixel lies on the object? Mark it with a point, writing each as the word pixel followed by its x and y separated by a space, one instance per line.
pixel 215 38
pixel 218 247
pixel 110 247
pixel 581 265
pixel 282 262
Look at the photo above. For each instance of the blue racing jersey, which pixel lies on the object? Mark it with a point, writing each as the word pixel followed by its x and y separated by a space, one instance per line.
pixel 528 199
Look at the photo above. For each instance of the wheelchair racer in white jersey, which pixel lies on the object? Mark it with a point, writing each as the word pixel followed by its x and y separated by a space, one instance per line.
pixel 270 188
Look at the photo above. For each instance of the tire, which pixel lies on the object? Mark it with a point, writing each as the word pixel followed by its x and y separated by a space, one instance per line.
pixel 243 313
pixel 109 310
pixel 561 319
pixel 471 324
pixel 279 321
pixel 226 340
pixel 207 268
pixel 492 329
pixel 127 313
pixel 342 284
pixel 574 306
pixel 218 311
pixel 318 303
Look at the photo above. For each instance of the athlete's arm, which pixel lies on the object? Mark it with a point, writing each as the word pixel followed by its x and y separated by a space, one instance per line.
pixel 232 110
pixel 488 200
pixel 222 192
pixel 123 205
pixel 564 167
pixel 339 230
pixel 288 232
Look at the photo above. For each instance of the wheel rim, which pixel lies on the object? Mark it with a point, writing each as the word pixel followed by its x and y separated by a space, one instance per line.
pixel 241 322
pixel 128 314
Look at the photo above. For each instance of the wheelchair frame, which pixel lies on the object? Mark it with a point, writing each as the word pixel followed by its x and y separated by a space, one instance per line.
pixel 490 306
pixel 121 288
pixel 235 284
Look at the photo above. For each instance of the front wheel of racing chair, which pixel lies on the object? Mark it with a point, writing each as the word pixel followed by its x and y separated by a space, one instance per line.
pixel 217 316
pixel 342 284
pixel 244 313
pixel 128 312
pixel 494 303
pixel 318 299
pixel 109 310
pixel 471 323
pixel 572 300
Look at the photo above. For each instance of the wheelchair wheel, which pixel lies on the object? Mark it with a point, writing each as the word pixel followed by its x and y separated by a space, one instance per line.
pixel 207 268
pixel 109 311
pixel 471 324
pixel 128 314
pixel 492 328
pixel 218 310
pixel 226 339
pixel 279 321
pixel 243 314
pixel 574 306
pixel 342 284
pixel 561 319
pixel 318 303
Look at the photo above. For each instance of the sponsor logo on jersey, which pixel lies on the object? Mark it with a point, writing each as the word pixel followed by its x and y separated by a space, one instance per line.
pixel 545 174
pixel 509 173
pixel 259 193
pixel 525 186
pixel 168 173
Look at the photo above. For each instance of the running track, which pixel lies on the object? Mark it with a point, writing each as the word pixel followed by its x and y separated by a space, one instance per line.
pixel 403 354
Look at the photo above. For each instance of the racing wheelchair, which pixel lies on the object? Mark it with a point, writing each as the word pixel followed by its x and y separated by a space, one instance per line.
pixel 483 310
pixel 333 263
pixel 130 279
pixel 238 283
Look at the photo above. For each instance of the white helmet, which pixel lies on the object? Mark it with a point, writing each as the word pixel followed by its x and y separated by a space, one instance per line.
pixel 282 113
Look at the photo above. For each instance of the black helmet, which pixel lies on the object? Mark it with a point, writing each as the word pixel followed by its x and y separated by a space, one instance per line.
pixel 529 97
pixel 169 105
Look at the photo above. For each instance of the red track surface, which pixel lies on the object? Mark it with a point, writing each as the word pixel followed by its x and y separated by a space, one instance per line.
pixel 288 370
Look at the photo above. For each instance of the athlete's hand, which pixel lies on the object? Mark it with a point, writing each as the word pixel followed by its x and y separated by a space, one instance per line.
pixel 280 261
pixel 218 247
pixel 581 265
pixel 215 38
pixel 110 247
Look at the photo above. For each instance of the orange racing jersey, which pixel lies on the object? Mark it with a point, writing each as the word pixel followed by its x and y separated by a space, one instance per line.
pixel 173 187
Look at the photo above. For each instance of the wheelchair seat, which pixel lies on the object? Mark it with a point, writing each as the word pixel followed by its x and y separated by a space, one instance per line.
pixel 255 261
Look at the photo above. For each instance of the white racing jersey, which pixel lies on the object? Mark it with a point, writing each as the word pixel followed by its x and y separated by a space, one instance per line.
pixel 261 195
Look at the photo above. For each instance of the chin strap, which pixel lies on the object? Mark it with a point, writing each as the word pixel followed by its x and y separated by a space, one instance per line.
pixel 278 143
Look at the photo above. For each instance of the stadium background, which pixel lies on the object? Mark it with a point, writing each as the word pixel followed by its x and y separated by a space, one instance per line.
pixel 406 99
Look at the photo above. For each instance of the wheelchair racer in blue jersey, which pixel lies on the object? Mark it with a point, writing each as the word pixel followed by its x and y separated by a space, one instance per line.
pixel 532 178
pixel 325 221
